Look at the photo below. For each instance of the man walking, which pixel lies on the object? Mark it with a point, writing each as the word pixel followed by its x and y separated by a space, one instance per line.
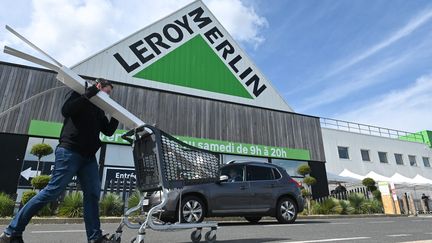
pixel 75 155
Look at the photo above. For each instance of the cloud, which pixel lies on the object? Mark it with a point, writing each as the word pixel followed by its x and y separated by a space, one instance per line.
pixel 240 20
pixel 359 80
pixel 72 30
pixel 405 109
pixel 415 23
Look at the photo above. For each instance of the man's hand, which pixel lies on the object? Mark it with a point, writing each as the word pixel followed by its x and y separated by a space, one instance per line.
pixel 91 91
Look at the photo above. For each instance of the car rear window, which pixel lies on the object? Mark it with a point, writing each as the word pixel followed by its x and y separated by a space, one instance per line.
pixel 276 174
pixel 259 173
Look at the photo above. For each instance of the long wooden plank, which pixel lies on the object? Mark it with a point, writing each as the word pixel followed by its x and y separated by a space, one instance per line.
pixel 75 82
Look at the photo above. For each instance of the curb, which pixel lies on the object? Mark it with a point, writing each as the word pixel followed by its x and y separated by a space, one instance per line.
pixel 106 220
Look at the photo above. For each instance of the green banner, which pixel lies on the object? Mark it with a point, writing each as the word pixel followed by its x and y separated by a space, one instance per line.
pixel 246 149
pixel 53 129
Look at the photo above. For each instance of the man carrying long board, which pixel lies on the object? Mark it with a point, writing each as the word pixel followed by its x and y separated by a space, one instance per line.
pixel 75 155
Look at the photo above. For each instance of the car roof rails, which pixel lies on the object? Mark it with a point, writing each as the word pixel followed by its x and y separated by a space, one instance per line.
pixel 237 161
pixel 244 161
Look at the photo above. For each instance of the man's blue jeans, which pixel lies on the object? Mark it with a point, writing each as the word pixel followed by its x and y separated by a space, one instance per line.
pixel 67 164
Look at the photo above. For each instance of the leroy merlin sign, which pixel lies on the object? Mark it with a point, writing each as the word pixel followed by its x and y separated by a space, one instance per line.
pixel 52 129
pixel 187 52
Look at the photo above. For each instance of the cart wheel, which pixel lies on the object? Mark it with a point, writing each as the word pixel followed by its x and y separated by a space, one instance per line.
pixel 134 240
pixel 210 236
pixel 196 236
pixel 115 238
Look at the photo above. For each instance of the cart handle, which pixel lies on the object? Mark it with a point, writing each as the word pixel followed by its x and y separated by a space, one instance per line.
pixel 135 131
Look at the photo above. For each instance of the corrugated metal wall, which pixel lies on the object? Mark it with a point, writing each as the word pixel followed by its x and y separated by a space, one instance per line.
pixel 177 114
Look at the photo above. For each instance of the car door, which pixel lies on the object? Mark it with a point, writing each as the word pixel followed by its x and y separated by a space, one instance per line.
pixel 232 196
pixel 262 186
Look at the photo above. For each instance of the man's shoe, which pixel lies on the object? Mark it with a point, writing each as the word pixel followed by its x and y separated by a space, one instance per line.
pixel 103 239
pixel 4 238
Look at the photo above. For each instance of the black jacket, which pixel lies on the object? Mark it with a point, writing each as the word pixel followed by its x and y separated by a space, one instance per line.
pixel 82 125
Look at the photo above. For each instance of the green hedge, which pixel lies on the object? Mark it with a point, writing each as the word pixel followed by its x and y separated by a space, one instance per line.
pixel 72 206
pixel 356 204
pixel 6 205
pixel 111 205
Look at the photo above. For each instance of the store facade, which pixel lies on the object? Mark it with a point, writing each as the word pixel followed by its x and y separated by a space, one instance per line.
pixel 186 75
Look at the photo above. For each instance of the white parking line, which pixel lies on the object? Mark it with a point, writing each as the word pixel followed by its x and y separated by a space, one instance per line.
pixel 381 222
pixel 418 241
pixel 399 235
pixel 329 240
pixel 282 225
pixel 58 231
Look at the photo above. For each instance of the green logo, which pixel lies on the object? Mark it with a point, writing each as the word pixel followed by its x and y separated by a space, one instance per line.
pixel 195 65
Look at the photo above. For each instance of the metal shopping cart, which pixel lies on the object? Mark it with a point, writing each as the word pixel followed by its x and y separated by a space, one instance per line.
pixel 162 163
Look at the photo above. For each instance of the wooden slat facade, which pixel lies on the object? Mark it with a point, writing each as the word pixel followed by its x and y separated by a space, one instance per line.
pixel 175 113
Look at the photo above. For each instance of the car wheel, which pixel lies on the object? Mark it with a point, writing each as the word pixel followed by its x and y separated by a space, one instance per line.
pixel 192 210
pixel 253 220
pixel 286 211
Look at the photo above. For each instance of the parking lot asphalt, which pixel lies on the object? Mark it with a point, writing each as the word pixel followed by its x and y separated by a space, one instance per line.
pixel 383 229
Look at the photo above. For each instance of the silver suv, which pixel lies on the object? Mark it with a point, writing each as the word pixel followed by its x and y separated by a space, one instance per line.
pixel 248 189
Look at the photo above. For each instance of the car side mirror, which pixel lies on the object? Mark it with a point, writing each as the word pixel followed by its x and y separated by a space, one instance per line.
pixel 223 178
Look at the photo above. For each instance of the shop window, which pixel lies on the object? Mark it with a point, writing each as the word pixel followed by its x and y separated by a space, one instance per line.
pixel 412 160
pixel 399 159
pixel 383 157
pixel 426 162
pixel 365 155
pixel 290 166
pixel 343 152
pixel 119 155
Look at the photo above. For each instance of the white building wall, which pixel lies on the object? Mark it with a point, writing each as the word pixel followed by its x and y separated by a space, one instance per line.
pixel 355 142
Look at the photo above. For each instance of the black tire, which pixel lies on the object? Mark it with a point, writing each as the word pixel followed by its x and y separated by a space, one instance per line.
pixel 286 211
pixel 192 209
pixel 212 239
pixel 196 237
pixel 253 220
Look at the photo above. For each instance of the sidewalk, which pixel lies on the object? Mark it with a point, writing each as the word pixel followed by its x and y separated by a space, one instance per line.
pixel 56 220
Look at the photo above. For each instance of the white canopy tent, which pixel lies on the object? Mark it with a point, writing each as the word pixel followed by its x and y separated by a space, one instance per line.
pixel 347 173
pixel 334 178
pixel 400 179
pixel 418 179
pixel 377 177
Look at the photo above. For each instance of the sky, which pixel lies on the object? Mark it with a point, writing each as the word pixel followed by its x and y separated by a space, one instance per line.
pixel 367 62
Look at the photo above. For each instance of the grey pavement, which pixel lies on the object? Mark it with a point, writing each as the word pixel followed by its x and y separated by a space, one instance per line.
pixel 383 229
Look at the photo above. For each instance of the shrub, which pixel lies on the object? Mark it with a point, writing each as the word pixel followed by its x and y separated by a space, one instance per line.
pixel 309 180
pixel 6 205
pixel 41 149
pixel 367 182
pixel 328 206
pixel 111 205
pixel 45 211
pixel 27 195
pixel 346 207
pixel 304 170
pixel 40 182
pixel 305 193
pixel 356 201
pixel 72 205
pixel 372 206
pixel 133 200
pixel 377 195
